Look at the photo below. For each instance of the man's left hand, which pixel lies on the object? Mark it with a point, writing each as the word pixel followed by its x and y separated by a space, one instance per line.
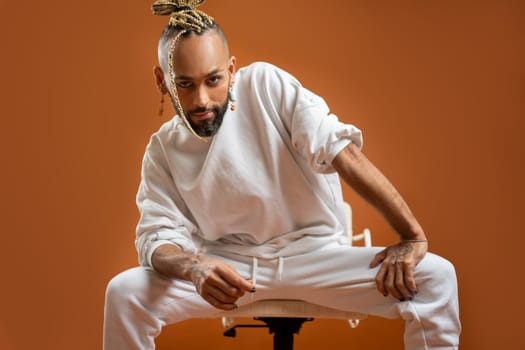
pixel 396 274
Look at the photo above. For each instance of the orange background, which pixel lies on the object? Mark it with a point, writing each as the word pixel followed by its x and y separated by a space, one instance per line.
pixel 437 86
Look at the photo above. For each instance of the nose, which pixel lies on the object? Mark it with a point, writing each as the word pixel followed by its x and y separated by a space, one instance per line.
pixel 201 97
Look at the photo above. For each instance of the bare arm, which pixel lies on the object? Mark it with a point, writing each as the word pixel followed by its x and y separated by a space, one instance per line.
pixel 217 282
pixel 395 276
pixel 360 174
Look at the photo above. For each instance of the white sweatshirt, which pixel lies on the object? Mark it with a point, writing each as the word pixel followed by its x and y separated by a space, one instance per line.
pixel 263 186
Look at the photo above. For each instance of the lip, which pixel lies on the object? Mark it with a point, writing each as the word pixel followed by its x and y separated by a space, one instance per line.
pixel 202 116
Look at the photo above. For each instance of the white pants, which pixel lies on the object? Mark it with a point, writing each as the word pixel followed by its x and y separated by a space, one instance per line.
pixel 139 301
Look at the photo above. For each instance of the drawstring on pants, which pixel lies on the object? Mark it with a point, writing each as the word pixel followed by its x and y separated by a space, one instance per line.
pixel 254 274
pixel 255 263
pixel 255 266
pixel 280 268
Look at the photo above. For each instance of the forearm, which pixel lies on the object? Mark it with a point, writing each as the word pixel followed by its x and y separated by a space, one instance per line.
pixel 171 261
pixel 360 174
pixel 216 281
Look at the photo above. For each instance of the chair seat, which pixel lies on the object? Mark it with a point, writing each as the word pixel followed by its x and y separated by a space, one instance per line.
pixel 289 308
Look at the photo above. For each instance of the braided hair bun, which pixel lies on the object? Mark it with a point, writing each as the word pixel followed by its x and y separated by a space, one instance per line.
pixel 169 7
pixel 184 18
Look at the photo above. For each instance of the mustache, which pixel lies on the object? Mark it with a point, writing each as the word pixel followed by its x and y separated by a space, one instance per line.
pixel 201 110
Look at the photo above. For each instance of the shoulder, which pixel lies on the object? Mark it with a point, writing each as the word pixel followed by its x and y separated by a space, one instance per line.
pixel 265 71
pixel 166 129
pixel 170 130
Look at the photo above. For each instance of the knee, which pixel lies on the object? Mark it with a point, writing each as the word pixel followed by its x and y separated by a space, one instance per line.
pixel 124 285
pixel 440 266
pixel 437 272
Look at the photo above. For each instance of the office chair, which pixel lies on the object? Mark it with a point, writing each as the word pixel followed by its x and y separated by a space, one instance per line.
pixel 284 318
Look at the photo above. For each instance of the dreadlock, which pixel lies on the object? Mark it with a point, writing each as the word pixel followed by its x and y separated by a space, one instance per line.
pixel 185 20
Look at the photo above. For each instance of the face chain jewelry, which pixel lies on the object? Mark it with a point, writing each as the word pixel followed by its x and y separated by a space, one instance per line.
pixel 178 106
pixel 185 16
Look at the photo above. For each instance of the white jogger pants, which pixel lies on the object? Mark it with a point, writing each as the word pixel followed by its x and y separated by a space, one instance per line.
pixel 139 301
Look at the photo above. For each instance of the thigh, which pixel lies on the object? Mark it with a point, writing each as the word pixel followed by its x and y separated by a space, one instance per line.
pixel 344 266
pixel 334 267
pixel 341 278
pixel 169 300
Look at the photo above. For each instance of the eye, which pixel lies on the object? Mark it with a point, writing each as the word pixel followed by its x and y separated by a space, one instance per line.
pixel 214 80
pixel 183 84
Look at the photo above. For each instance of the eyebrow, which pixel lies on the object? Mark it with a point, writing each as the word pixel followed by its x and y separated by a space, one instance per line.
pixel 213 72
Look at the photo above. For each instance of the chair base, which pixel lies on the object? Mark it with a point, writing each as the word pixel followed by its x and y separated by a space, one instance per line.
pixel 282 328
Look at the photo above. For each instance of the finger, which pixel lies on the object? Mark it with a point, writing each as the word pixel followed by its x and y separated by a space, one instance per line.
pixel 219 282
pixel 380 279
pixel 410 281
pixel 390 281
pixel 217 303
pixel 232 277
pixel 400 282
pixel 378 259
pixel 219 294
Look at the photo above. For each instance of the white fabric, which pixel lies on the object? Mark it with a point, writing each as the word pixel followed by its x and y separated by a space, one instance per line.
pixel 140 302
pixel 262 186
pixel 262 195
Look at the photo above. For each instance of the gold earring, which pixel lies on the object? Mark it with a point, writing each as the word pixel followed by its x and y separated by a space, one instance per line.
pixel 232 99
pixel 161 105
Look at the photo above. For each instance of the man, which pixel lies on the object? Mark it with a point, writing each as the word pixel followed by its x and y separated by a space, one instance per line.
pixel 240 200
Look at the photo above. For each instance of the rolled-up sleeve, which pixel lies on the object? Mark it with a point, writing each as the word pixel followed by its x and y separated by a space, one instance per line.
pixel 316 133
pixel 163 215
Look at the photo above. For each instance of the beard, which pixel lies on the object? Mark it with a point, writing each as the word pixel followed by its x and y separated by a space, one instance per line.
pixel 208 127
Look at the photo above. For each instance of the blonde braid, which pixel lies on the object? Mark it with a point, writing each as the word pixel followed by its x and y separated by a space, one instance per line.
pixel 184 16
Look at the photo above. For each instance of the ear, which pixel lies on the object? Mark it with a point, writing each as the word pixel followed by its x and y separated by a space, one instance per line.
pixel 159 80
pixel 232 68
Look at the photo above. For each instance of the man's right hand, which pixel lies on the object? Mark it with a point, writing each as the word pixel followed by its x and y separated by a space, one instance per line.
pixel 216 281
